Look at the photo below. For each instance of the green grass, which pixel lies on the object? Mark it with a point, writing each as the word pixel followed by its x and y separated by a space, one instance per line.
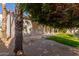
pixel 67 39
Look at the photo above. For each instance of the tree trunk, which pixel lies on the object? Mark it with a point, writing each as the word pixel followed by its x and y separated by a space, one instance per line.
pixel 4 20
pixel 18 30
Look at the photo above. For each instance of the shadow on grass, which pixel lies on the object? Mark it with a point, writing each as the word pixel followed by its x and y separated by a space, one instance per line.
pixel 65 40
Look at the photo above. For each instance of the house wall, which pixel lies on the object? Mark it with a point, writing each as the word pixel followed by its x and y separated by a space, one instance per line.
pixel 10 25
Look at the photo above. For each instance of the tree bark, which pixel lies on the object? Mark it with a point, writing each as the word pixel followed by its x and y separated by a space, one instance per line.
pixel 4 20
pixel 18 30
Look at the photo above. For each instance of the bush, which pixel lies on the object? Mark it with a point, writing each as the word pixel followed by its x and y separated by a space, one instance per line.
pixel 63 30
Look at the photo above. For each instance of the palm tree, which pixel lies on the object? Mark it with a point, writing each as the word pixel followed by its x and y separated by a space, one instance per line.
pixel 18 30
pixel 4 20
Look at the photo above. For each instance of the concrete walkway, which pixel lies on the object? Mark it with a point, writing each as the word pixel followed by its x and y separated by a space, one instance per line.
pixel 40 46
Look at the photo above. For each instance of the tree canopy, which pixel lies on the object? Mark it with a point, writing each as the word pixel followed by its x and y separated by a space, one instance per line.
pixel 55 15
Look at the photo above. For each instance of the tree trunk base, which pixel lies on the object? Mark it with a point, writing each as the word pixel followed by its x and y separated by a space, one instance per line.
pixel 19 52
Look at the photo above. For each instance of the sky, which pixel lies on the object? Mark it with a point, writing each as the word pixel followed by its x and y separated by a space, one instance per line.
pixel 9 6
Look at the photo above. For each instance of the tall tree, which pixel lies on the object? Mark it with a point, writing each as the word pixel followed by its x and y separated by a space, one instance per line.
pixel 18 30
pixel 4 20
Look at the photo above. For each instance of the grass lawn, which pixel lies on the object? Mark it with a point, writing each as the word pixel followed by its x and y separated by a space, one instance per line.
pixel 67 39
